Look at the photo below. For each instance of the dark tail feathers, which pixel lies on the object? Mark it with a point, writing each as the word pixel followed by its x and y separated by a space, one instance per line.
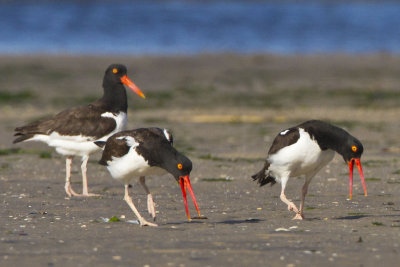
pixel 100 144
pixel 25 132
pixel 102 162
pixel 262 178
pixel 22 137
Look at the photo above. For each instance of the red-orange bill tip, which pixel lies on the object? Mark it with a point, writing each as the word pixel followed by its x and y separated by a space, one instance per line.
pixel 359 167
pixel 351 166
pixel 182 183
pixel 128 82
pixel 189 187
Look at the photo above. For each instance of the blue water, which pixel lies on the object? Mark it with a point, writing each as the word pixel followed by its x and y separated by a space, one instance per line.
pixel 165 27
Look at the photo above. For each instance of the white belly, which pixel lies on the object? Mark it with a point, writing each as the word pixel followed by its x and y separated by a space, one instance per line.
pixel 130 166
pixel 68 145
pixel 301 158
pixel 78 145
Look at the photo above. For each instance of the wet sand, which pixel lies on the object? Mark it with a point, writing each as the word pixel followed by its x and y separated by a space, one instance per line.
pixel 224 111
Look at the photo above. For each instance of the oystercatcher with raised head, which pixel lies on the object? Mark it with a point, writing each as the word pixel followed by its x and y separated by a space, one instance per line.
pixel 73 131
pixel 304 150
pixel 143 152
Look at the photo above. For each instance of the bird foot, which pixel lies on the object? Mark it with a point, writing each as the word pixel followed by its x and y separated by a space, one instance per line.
pixel 151 206
pixel 70 192
pixel 89 195
pixel 292 207
pixel 143 222
pixel 298 217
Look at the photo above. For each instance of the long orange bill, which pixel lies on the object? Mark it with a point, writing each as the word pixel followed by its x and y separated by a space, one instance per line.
pixel 128 82
pixel 185 184
pixel 189 187
pixel 358 163
pixel 351 166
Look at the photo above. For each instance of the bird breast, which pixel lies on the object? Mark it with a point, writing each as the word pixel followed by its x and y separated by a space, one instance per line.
pixel 301 158
pixel 131 165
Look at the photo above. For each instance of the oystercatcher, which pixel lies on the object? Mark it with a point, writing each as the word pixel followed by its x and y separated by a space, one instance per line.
pixel 73 131
pixel 304 150
pixel 142 152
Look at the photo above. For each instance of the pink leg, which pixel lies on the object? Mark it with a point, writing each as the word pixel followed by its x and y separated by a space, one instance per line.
pixel 150 203
pixel 129 201
pixel 85 189
pixel 291 205
pixel 67 186
pixel 300 215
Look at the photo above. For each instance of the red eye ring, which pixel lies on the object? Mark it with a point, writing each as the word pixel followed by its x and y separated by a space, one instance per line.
pixel 180 166
pixel 115 70
pixel 354 148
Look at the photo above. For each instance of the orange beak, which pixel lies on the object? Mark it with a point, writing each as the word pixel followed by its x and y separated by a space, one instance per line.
pixel 351 165
pixel 128 82
pixel 185 184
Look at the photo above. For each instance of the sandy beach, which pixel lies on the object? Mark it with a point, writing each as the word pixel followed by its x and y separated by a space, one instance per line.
pixel 224 111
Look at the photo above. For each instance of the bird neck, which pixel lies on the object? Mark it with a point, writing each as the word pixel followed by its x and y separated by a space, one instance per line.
pixel 114 98
pixel 329 137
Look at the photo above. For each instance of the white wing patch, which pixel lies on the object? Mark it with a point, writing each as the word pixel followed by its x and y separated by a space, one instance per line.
pixel 130 141
pixel 284 132
pixel 120 120
pixel 167 135
pixel 108 115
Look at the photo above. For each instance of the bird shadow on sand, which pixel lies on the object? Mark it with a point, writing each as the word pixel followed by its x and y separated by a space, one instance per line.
pixel 352 217
pixel 220 222
pixel 310 219
pixel 240 221
pixel 187 222
pixel 357 217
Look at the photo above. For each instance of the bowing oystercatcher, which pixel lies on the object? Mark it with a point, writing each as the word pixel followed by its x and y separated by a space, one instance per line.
pixel 73 131
pixel 304 150
pixel 142 152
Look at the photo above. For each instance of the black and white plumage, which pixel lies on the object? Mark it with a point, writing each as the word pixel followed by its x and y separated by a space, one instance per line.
pixel 304 150
pixel 73 131
pixel 143 152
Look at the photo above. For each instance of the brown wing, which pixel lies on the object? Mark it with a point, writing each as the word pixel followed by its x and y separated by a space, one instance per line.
pixel 283 139
pixel 147 135
pixel 85 120
pixel 152 143
pixel 114 148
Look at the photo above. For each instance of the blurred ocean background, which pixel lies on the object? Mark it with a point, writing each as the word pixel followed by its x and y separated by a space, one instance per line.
pixel 195 27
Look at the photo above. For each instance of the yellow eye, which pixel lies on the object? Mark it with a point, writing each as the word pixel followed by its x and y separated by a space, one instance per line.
pixel 354 148
pixel 115 70
pixel 180 166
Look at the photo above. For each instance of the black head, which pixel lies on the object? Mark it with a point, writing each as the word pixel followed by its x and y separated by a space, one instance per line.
pixel 351 149
pixel 114 91
pixel 114 72
pixel 178 165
